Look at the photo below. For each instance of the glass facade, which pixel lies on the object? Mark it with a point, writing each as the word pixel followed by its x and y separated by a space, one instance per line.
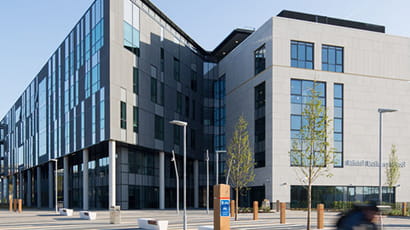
pixel 332 58
pixel 131 27
pixel 159 127
pixel 301 94
pixel 336 196
pixel 260 125
pixel 301 54
pixel 338 125
pixel 219 113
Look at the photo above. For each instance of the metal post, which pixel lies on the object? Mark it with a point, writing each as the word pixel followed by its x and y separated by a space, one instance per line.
pixel 55 181
pixel 217 167
pixel 380 148
pixel 177 178
pixel 207 181
pixel 185 216
pixel 111 174
pixel 380 157
pixel 161 180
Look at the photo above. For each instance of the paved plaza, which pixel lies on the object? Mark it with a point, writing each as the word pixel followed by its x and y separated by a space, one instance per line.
pixel 45 219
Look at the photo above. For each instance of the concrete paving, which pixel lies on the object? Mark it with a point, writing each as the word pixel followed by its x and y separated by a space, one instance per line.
pixel 46 219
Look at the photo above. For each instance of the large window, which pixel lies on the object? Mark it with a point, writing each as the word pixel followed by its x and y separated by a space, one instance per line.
pixel 301 94
pixel 177 135
pixel 338 125
pixel 260 125
pixel 179 102
pixel 154 90
pixel 332 58
pixel 260 64
pixel 159 127
pixel 301 54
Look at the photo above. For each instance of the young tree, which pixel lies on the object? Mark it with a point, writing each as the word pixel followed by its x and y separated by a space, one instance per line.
pixel 392 168
pixel 240 162
pixel 310 152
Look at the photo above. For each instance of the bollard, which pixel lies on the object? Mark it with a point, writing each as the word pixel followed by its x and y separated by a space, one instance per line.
pixel 10 204
pixel 221 207
pixel 320 212
pixel 232 208
pixel 277 205
pixel 15 205
pixel 282 213
pixel 255 210
pixel 404 209
pixel 20 205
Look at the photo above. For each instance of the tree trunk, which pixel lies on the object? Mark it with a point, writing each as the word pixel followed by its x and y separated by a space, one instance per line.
pixel 236 203
pixel 309 205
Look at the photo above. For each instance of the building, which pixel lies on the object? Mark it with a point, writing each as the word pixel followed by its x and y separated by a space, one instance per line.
pixel 99 109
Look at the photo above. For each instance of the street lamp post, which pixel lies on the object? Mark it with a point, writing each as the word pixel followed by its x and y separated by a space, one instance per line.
pixel 207 181
pixel 55 182
pixel 177 177
pixel 217 163
pixel 183 124
pixel 381 111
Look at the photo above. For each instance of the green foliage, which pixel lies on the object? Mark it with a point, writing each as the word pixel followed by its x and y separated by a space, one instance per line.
pixel 240 157
pixel 393 168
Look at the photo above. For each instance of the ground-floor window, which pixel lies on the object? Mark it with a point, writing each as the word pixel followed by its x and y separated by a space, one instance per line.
pixel 338 196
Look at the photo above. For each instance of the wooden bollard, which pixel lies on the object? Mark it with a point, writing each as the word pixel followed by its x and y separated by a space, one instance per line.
pixel 277 205
pixel 404 209
pixel 15 205
pixel 20 205
pixel 255 210
pixel 10 203
pixel 282 213
pixel 232 208
pixel 320 214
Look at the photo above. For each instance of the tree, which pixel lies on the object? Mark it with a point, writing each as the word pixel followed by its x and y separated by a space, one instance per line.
pixel 392 168
pixel 310 152
pixel 240 162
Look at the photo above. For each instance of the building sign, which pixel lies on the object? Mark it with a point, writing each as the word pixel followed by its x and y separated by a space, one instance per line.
pixel 224 207
pixel 365 163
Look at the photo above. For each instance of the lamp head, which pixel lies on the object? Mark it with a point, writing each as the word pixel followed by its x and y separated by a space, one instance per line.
pixel 179 123
pixel 381 110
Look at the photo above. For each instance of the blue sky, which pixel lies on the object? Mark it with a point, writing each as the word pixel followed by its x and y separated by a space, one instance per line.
pixel 30 31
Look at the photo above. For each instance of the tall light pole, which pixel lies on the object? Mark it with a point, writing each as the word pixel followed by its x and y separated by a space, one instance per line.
pixel 183 124
pixel 55 182
pixel 217 163
pixel 207 181
pixel 381 111
pixel 177 177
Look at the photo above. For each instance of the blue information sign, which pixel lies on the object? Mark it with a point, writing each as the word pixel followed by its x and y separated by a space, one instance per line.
pixel 224 207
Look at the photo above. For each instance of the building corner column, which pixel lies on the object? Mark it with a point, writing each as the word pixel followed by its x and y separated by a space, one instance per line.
pixel 65 182
pixel 161 180
pixel 111 174
pixel 38 187
pixel 28 197
pixel 196 184
pixel 85 179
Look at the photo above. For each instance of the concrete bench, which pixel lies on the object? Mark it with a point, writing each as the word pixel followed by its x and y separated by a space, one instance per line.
pixel 208 227
pixel 150 223
pixel 87 215
pixel 66 212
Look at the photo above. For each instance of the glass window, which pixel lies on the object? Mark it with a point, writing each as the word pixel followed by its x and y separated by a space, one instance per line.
pixel 194 80
pixel 177 69
pixel 260 64
pixel 338 124
pixel 162 54
pixel 332 58
pixel 301 94
pixel 179 102
pixel 301 54
pixel 259 147
pixel 159 127
pixel 135 120
pixel 123 115
pixel 177 134
pixel 135 78
pixel 154 90
pixel 193 139
pixel 186 106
